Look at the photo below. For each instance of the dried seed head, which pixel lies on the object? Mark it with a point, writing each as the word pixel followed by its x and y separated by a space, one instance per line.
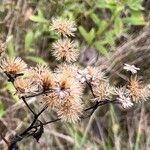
pixel 13 66
pixel 2 47
pixel 70 111
pixel 123 96
pixel 102 91
pixel 24 86
pixel 67 50
pixel 138 91
pixel 66 89
pixel 43 76
pixel 63 26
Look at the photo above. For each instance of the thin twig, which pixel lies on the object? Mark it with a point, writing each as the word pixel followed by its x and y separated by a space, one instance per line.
pixel 28 106
pixel 3 138
pixel 91 89
pixel 38 94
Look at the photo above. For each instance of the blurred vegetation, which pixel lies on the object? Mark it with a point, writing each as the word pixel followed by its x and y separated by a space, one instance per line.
pixel 102 25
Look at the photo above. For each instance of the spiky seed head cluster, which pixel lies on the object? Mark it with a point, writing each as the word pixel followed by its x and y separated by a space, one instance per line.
pixel 70 91
pixel 138 90
pixel 13 66
pixel 65 49
pixel 66 98
pixel 63 27
pixel 62 89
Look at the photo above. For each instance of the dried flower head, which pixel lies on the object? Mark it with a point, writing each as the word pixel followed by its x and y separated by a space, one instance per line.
pixel 138 91
pixel 131 68
pixel 91 74
pixel 66 89
pixel 102 91
pixel 24 86
pixel 2 47
pixel 43 76
pixel 13 66
pixel 67 50
pixel 123 96
pixel 70 111
pixel 63 26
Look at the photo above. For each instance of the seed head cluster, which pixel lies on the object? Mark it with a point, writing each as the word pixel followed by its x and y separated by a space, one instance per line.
pixel 63 88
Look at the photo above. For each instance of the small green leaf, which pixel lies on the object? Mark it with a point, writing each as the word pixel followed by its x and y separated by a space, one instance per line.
pixel 118 26
pixel 135 5
pixel 39 18
pixel 110 37
pixel 28 40
pixel 36 59
pixel 88 36
pixel 102 26
pixel 95 19
pixel 136 18
pixel 101 48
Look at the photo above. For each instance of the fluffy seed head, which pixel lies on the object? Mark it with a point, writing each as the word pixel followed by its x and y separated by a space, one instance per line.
pixel 63 26
pixel 69 86
pixel 138 91
pixel 67 50
pixel 70 111
pixel 43 76
pixel 66 89
pixel 102 91
pixel 13 65
pixel 24 86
